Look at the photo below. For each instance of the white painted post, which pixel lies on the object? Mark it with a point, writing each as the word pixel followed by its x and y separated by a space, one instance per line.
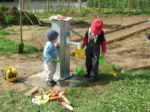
pixel 63 28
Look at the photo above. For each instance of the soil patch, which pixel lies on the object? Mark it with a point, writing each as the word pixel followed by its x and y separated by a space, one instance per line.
pixel 130 53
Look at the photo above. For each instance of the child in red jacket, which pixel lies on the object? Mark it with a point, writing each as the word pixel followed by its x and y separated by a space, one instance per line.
pixel 95 43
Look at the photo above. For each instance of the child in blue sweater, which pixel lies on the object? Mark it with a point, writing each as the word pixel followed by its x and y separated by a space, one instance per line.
pixel 49 55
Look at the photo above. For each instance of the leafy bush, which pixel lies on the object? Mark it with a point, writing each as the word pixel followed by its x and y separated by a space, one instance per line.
pixel 25 20
pixel 10 15
pixel 3 9
pixel 8 18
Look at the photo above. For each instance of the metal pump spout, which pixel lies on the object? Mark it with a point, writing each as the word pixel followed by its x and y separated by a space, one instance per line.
pixel 73 43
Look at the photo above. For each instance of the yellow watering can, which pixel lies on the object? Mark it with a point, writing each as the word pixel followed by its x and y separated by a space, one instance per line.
pixel 79 53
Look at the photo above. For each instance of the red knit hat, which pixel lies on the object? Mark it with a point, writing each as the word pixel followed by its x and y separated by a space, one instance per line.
pixel 96 26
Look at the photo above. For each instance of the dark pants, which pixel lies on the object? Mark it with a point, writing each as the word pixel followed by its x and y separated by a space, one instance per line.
pixel 92 64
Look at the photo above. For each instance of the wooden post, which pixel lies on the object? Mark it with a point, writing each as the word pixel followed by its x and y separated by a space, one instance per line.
pixel 100 6
pixel 73 4
pixel 68 4
pixel 23 5
pixel 129 5
pixel 21 45
pixel 79 2
pixel 47 5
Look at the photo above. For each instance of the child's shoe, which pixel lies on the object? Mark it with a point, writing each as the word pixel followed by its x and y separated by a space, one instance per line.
pixel 51 83
pixel 93 79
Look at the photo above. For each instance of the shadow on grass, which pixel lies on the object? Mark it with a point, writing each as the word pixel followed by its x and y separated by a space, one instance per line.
pixel 105 78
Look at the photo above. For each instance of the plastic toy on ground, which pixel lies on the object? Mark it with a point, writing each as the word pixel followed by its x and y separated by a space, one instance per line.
pixel 53 96
pixel 80 70
pixel 66 105
pixel 10 73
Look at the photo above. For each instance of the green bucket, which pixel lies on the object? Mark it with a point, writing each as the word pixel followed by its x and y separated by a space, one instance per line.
pixel 79 70
pixel 101 59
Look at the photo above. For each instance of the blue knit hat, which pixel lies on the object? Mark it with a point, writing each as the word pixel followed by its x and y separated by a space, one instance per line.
pixel 52 35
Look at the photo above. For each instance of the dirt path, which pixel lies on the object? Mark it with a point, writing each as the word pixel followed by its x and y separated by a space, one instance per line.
pixel 25 64
pixel 130 53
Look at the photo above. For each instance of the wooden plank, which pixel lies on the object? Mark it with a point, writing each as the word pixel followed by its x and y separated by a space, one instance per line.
pixel 33 90
pixel 42 91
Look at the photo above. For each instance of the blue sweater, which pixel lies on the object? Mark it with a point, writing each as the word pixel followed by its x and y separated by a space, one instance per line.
pixel 49 52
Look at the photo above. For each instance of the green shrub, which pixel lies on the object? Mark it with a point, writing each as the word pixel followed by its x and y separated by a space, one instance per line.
pixel 10 15
pixel 3 9
pixel 8 19
pixel 25 20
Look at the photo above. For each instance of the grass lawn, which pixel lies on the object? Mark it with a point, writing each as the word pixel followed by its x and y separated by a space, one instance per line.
pixel 6 32
pixel 10 47
pixel 129 92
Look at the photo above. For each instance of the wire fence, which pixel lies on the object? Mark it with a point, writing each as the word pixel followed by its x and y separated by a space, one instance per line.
pixel 46 5
pixel 101 6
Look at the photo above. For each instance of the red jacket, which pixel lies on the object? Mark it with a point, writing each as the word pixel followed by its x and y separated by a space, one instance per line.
pixel 100 41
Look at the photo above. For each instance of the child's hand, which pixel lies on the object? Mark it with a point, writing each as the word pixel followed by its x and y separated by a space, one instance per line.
pixel 53 60
pixel 103 54
pixel 57 44
pixel 82 47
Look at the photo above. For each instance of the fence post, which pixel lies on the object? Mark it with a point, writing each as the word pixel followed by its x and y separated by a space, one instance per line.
pixel 47 5
pixel 79 2
pixel 129 6
pixel 21 45
pixel 100 5
pixel 23 5
pixel 68 4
